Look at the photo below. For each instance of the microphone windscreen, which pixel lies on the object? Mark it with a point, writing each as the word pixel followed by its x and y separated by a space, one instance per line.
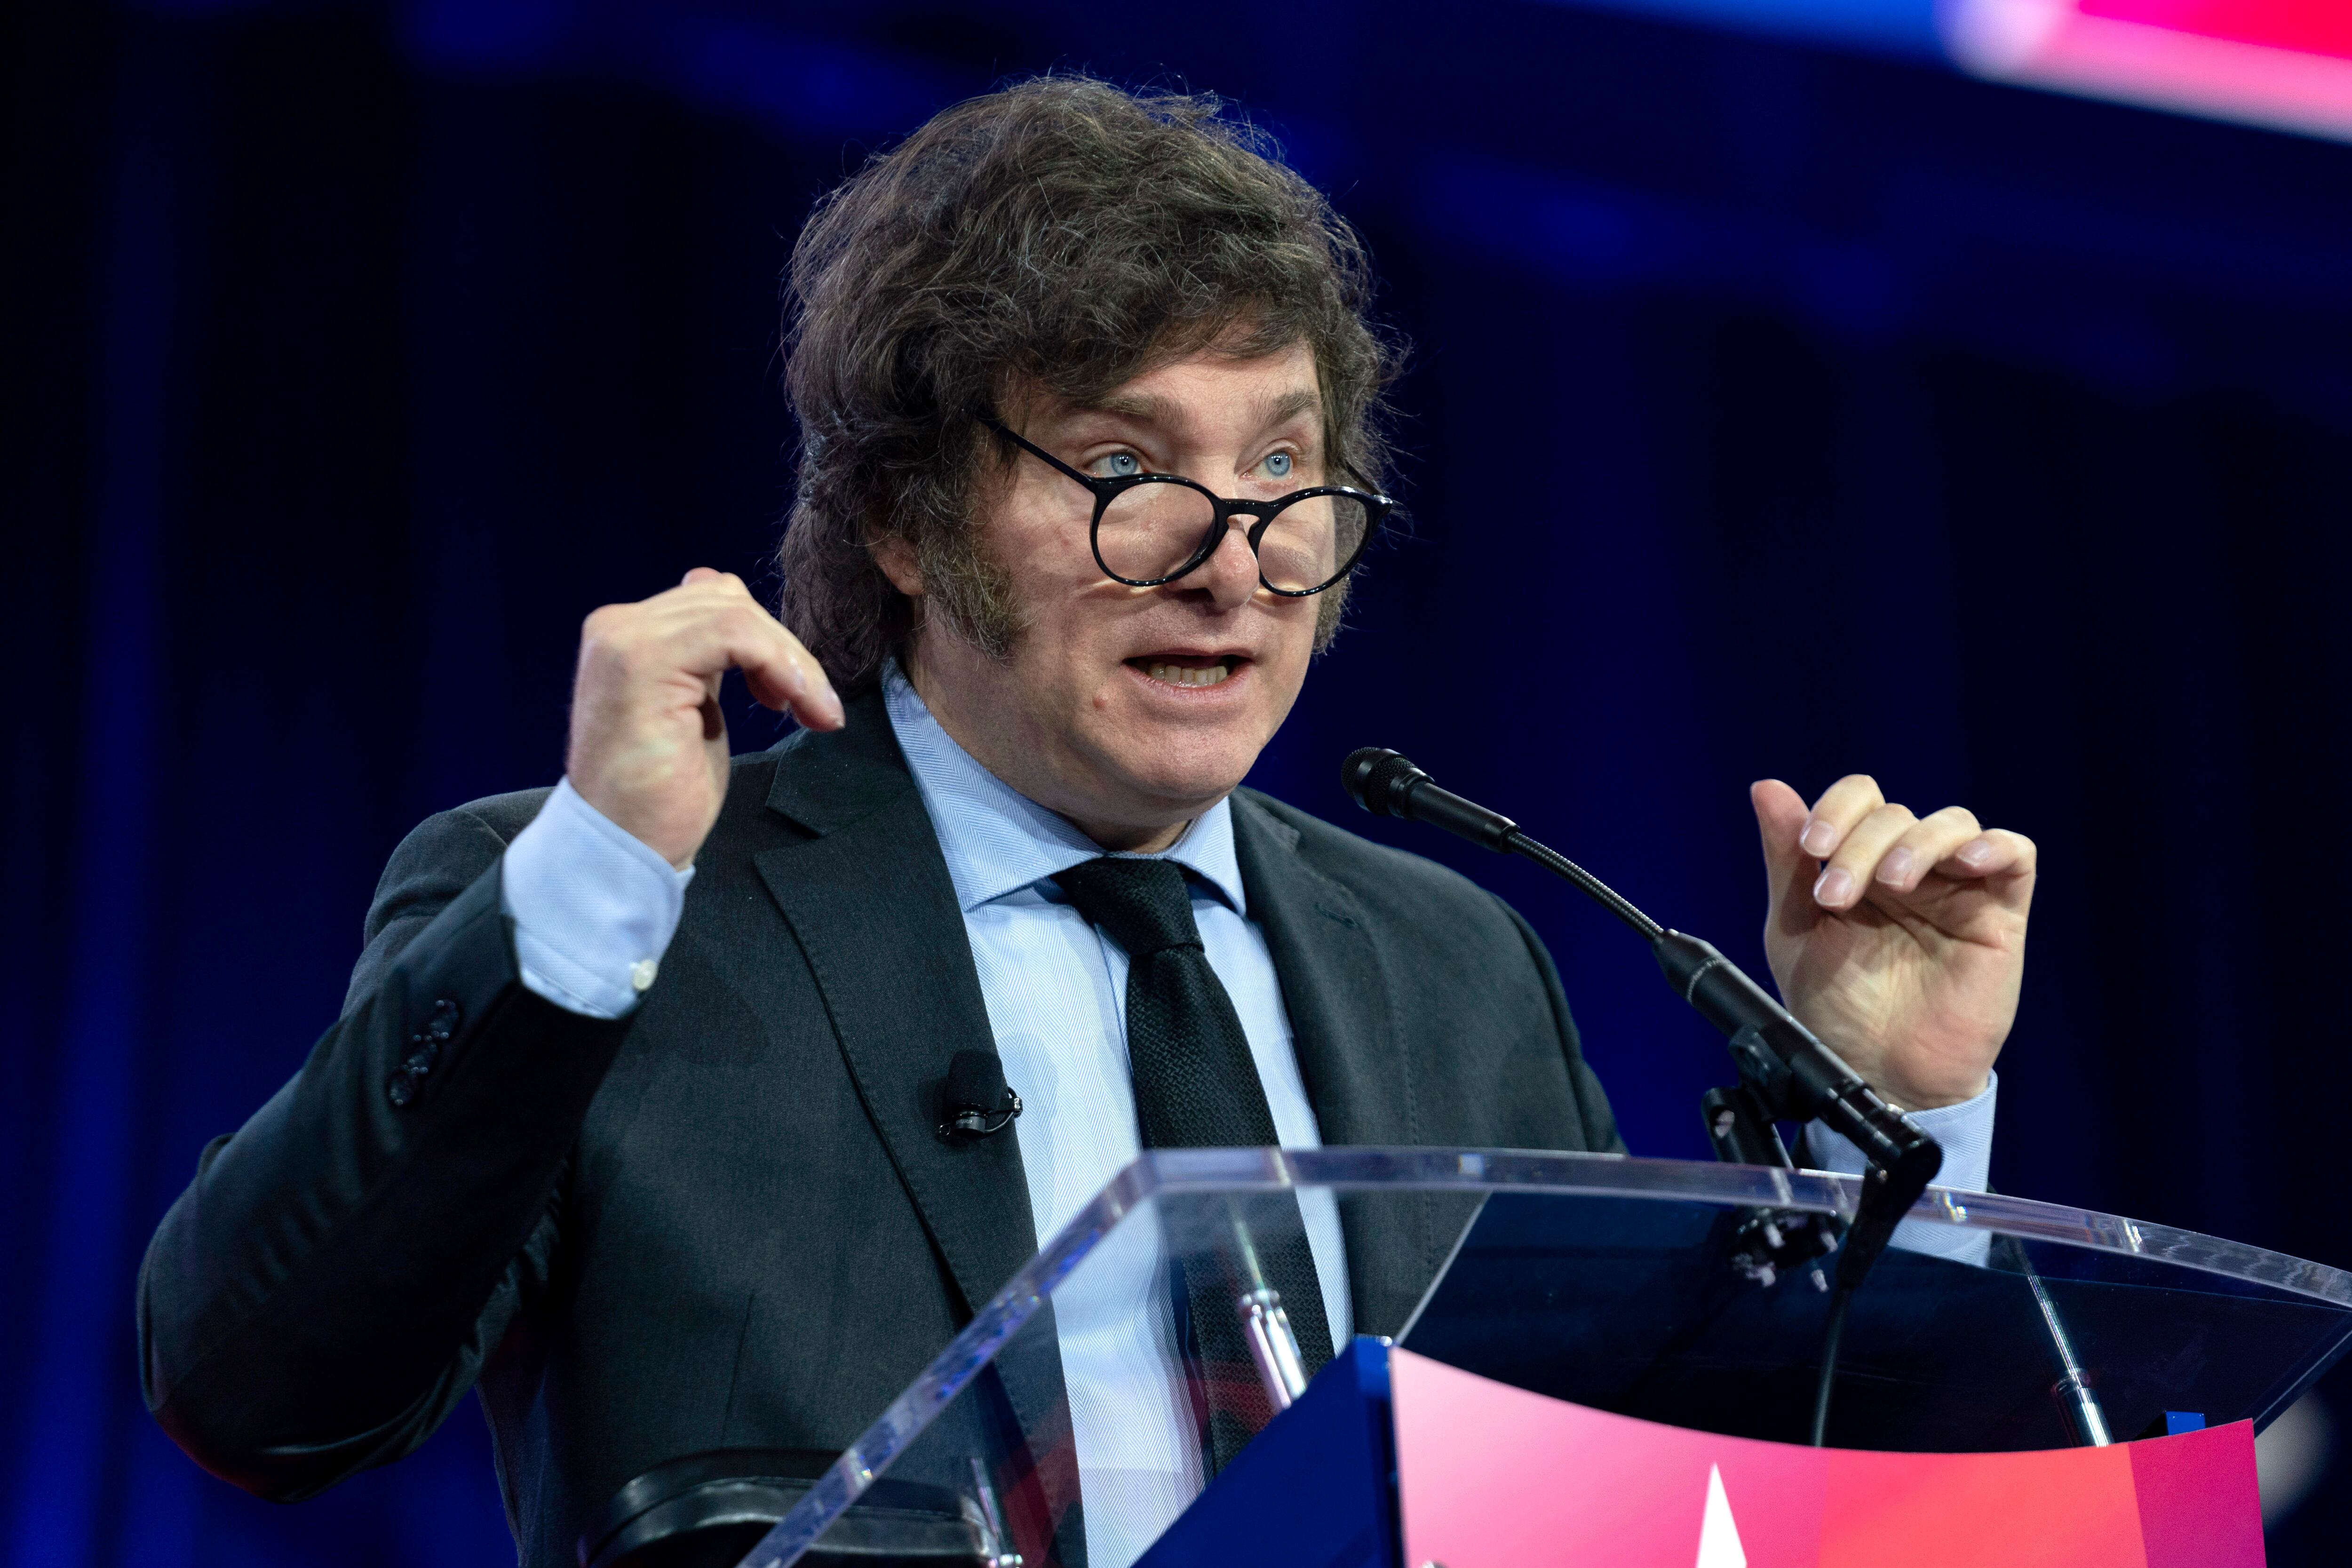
pixel 1372 774
pixel 976 1080
pixel 1356 774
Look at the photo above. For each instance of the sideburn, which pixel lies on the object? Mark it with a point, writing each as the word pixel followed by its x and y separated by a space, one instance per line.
pixel 967 592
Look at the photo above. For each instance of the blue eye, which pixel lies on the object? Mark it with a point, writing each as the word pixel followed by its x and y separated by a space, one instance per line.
pixel 1118 466
pixel 1277 465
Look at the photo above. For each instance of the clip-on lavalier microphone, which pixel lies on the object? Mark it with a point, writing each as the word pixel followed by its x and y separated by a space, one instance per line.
pixel 979 1103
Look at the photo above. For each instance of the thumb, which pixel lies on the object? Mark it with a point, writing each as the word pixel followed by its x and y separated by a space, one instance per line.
pixel 1789 871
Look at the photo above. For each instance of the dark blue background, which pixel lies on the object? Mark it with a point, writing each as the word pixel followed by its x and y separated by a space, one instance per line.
pixel 1774 412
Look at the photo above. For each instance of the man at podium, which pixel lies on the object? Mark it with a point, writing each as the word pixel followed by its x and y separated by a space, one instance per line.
pixel 633 1118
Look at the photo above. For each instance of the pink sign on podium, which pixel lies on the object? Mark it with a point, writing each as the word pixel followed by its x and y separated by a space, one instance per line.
pixel 1494 1477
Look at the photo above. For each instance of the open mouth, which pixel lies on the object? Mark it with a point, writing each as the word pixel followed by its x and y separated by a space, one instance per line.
pixel 1190 670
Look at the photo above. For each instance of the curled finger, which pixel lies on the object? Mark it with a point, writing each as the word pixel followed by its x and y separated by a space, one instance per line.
pixel 1841 807
pixel 1855 866
pixel 1995 851
pixel 1926 844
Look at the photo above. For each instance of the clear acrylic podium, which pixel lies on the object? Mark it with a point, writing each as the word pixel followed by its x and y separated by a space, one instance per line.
pixel 1064 1424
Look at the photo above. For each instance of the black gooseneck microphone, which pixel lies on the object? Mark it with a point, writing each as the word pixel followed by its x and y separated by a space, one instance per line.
pixel 1794 1075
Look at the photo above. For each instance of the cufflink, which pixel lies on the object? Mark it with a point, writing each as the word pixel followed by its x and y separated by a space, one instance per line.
pixel 641 975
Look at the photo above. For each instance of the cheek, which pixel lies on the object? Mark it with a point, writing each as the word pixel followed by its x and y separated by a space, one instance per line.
pixel 1300 617
pixel 1038 533
pixel 1060 559
pixel 1052 583
pixel 1067 560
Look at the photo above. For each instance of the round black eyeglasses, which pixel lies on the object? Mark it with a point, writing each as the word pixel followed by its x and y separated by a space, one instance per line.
pixel 1150 529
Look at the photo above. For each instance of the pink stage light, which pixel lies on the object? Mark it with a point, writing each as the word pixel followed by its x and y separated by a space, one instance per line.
pixel 2282 63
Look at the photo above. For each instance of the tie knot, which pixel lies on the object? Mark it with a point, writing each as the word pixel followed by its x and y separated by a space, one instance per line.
pixel 1143 904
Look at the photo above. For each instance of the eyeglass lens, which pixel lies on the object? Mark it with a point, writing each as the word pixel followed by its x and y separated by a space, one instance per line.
pixel 1150 531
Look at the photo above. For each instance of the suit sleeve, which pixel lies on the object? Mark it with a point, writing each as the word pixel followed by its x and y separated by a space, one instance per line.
pixel 327 1288
pixel 1600 1123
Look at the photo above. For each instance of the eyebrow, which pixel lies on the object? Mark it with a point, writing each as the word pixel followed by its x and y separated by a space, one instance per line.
pixel 1291 403
pixel 1151 409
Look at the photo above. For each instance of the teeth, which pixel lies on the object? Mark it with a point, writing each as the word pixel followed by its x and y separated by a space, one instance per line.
pixel 1185 675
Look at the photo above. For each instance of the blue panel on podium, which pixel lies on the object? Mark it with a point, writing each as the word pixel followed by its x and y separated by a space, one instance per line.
pixel 1316 1490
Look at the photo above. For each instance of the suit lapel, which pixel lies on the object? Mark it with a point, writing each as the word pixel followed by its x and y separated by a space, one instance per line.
pixel 1359 1076
pixel 1333 985
pixel 869 902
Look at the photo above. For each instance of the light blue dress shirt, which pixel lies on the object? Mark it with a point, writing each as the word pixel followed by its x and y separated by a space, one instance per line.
pixel 594 910
pixel 1057 995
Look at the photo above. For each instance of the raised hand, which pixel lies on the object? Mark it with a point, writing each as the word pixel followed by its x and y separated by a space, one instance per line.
pixel 1899 940
pixel 648 744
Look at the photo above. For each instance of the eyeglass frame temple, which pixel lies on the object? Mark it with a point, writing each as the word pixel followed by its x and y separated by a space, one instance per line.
pixel 1105 488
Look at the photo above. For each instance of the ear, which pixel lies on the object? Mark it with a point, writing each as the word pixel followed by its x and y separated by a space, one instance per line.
pixel 896 559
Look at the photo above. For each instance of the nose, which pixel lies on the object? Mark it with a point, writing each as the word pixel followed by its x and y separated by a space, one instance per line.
pixel 1229 577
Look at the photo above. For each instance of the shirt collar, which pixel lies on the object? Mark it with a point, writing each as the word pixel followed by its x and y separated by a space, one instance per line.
pixel 998 841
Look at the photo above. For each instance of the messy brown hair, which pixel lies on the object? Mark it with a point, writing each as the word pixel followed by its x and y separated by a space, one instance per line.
pixel 1062 234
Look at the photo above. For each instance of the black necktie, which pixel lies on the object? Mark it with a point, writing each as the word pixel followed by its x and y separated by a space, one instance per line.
pixel 1196 1086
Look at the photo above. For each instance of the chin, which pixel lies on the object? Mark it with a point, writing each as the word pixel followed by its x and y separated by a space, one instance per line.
pixel 1189 772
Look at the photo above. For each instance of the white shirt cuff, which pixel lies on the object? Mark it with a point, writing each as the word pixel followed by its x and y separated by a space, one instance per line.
pixel 1966 1133
pixel 593 907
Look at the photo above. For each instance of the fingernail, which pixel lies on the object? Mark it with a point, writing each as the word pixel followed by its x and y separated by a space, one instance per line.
pixel 1836 886
pixel 1976 852
pixel 1818 838
pixel 1895 869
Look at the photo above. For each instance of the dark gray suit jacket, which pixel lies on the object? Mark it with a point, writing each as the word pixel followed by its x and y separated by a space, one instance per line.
pixel 729 1220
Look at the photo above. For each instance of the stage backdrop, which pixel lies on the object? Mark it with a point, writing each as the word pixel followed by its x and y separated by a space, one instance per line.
pixel 1773 411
